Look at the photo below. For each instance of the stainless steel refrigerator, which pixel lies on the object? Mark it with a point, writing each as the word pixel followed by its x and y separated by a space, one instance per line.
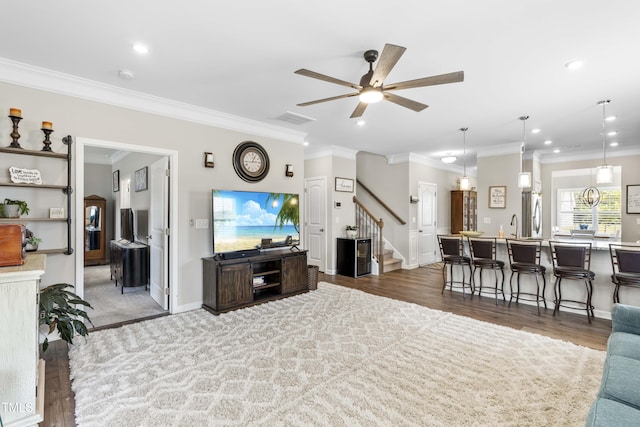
pixel 531 214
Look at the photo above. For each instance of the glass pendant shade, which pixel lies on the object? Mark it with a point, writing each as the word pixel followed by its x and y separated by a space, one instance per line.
pixel 604 174
pixel 524 179
pixel 465 183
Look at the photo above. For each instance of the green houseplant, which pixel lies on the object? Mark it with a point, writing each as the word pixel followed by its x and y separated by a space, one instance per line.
pixel 32 240
pixel 13 208
pixel 58 310
pixel 352 231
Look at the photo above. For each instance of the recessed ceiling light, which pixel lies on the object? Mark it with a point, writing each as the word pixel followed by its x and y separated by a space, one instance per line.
pixel 448 159
pixel 306 143
pixel 548 142
pixel 557 150
pixel 536 130
pixel 612 133
pixel 140 48
pixel 613 144
pixel 574 64
pixel 361 122
pixel 611 118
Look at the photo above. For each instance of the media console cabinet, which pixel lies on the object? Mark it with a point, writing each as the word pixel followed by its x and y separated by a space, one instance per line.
pixel 235 283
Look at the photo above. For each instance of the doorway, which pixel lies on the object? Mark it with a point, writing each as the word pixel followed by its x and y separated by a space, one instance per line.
pixel 114 305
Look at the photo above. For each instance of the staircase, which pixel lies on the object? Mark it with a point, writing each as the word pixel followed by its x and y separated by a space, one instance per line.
pixel 391 263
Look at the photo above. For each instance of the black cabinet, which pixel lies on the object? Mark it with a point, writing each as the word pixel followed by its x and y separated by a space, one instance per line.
pixel 129 263
pixel 354 257
pixel 235 283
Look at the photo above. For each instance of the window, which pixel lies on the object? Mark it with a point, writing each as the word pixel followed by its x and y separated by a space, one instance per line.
pixel 573 213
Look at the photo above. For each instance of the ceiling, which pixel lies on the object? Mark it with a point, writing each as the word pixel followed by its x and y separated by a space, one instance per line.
pixel 239 58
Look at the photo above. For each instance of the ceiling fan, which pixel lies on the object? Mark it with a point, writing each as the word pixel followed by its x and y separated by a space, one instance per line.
pixel 371 88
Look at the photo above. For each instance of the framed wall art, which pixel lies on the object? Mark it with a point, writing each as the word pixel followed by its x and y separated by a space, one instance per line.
pixel 633 199
pixel 116 181
pixel 344 184
pixel 498 197
pixel 140 179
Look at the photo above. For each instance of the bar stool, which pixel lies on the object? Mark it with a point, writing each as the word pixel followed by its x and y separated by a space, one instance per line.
pixel 483 257
pixel 572 261
pixel 524 258
pixel 452 253
pixel 625 260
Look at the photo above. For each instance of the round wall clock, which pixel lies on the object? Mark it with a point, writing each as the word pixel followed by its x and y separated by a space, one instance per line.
pixel 250 161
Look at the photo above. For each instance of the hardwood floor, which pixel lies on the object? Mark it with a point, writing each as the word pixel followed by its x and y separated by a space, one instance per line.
pixel 420 286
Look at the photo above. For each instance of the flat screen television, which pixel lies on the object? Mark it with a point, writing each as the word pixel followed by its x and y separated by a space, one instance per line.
pixel 126 224
pixel 246 220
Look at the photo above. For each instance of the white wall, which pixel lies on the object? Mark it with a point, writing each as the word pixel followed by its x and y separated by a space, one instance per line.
pixel 93 120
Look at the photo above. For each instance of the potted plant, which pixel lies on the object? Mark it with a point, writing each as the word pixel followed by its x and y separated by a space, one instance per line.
pixel 13 208
pixel 58 310
pixel 352 231
pixel 32 241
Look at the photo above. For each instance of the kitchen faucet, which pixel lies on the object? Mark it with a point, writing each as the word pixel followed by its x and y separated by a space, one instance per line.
pixel 514 217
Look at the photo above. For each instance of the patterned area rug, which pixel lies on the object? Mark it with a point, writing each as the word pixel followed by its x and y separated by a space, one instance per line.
pixel 331 357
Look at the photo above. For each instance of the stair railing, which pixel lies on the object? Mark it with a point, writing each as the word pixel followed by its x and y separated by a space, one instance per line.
pixel 369 226
pixel 383 204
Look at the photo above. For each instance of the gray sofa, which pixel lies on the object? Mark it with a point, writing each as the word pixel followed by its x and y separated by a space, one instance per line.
pixel 618 401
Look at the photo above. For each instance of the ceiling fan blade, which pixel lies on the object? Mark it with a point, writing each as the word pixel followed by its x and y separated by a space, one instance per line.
pixel 318 101
pixel 388 59
pixel 458 76
pixel 314 75
pixel 359 111
pixel 405 102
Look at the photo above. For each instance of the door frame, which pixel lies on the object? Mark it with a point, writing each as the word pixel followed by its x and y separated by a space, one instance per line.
pixel 80 144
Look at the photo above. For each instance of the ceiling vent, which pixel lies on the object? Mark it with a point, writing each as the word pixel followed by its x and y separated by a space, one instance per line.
pixel 296 119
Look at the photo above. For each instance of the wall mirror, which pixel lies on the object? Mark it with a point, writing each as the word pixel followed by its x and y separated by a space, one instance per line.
pixel 94 230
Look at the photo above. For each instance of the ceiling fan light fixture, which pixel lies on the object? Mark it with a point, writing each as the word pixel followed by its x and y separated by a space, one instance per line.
pixel 371 95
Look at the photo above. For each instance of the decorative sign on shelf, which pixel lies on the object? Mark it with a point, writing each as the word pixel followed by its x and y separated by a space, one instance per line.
pixel 25 176
pixel 56 213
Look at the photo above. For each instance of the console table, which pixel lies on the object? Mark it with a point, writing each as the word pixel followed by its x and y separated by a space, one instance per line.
pixel 241 282
pixel 129 263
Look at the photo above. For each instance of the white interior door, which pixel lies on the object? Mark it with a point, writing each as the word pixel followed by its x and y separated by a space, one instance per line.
pixel 316 221
pixel 427 226
pixel 158 237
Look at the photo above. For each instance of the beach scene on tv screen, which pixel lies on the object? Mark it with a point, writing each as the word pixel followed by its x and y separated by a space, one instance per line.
pixel 247 220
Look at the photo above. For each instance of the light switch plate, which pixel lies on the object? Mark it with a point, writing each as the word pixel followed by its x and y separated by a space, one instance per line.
pixel 202 223
pixel 487 220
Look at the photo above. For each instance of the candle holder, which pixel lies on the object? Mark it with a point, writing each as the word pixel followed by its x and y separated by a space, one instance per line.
pixel 15 135
pixel 47 141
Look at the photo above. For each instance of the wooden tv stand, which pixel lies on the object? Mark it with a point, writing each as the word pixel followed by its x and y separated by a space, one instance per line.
pixel 235 283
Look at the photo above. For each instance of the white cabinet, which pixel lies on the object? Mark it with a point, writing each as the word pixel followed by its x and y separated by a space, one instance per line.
pixel 19 364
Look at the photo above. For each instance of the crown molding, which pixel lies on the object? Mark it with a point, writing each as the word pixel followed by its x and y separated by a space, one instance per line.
pixel 572 157
pixel 332 151
pixel 66 84
pixel 499 150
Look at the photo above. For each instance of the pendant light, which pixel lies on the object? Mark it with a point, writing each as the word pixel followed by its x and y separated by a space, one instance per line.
pixel 604 173
pixel 524 178
pixel 465 184
pixel 591 195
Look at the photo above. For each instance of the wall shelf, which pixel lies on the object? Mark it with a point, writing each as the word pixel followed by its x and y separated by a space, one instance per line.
pixel 66 189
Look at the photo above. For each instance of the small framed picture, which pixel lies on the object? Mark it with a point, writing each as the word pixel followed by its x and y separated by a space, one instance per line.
pixel 140 178
pixel 116 181
pixel 498 197
pixel 633 199
pixel 344 184
pixel 56 213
